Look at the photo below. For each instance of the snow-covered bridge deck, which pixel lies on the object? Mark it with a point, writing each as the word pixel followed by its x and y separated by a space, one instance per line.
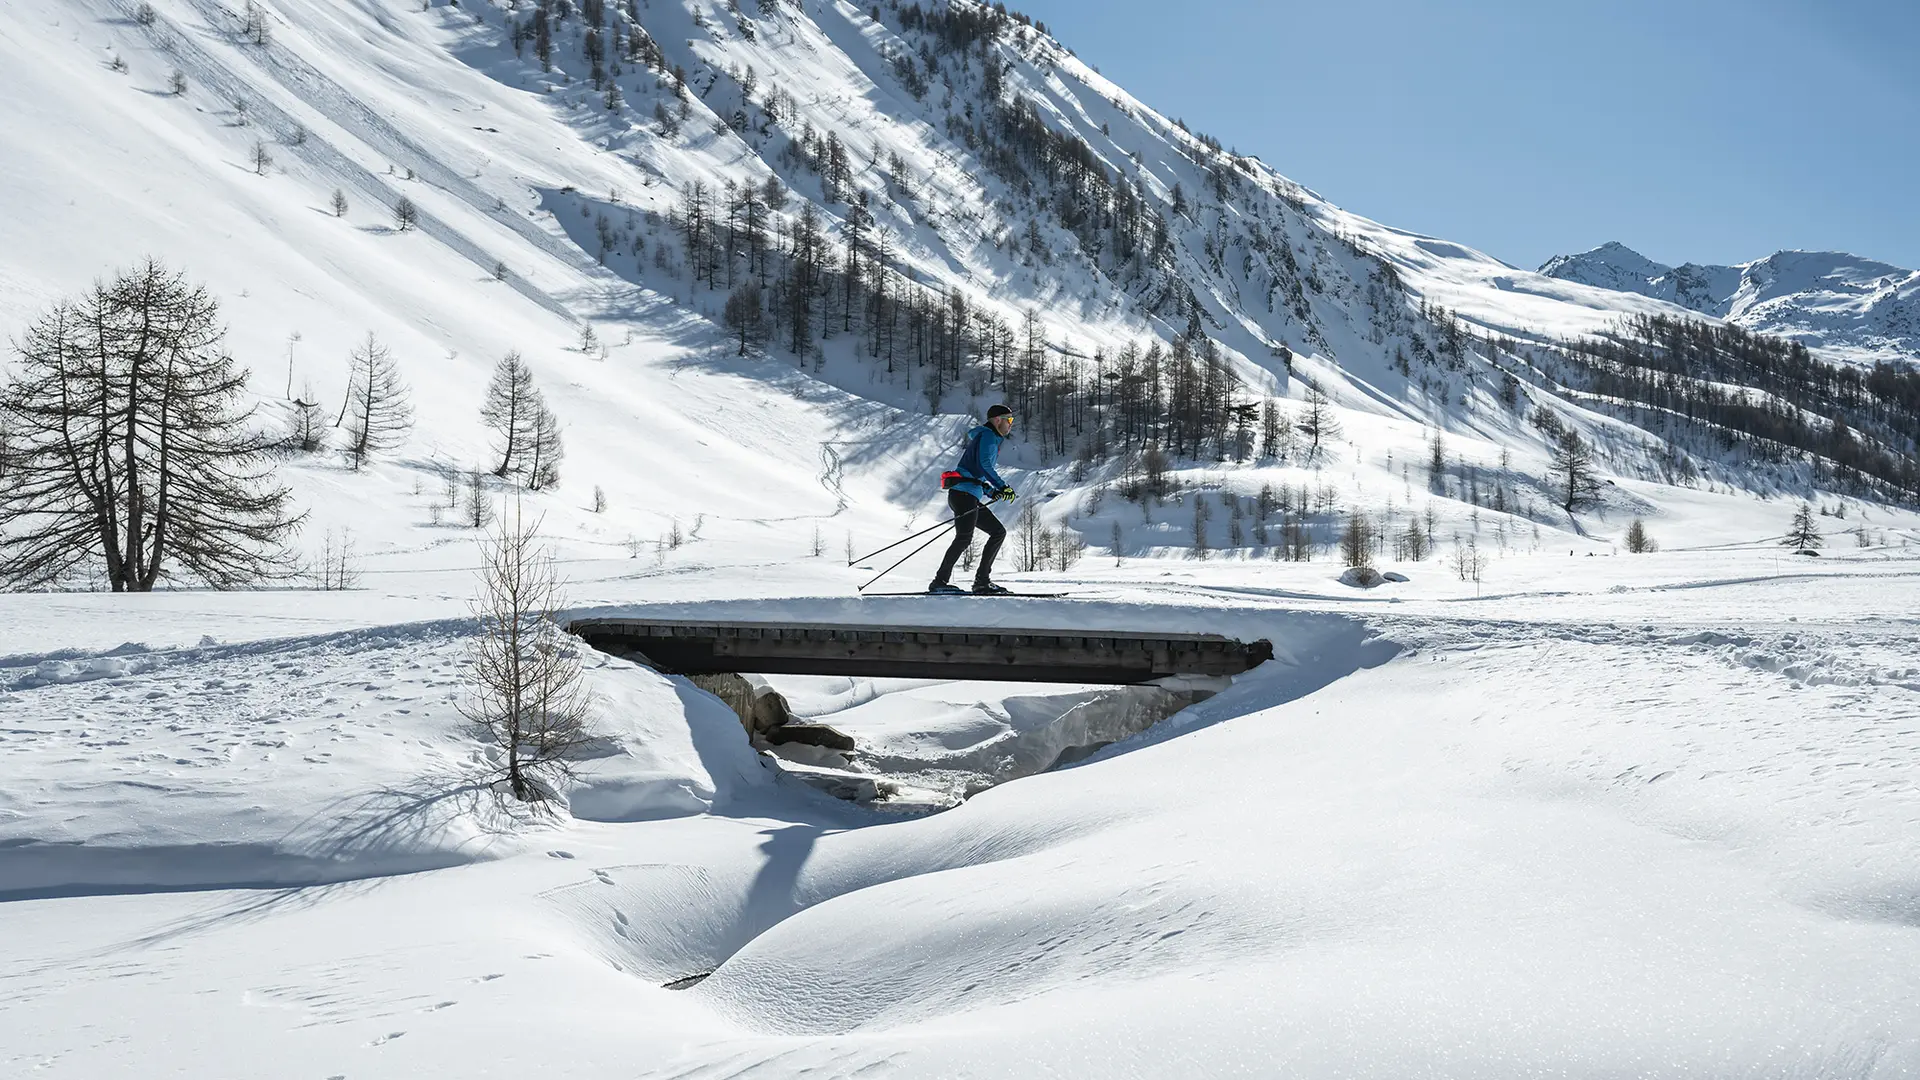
pixel 690 647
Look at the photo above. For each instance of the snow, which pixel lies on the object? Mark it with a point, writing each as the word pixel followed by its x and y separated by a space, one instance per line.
pixel 1594 813
pixel 1636 817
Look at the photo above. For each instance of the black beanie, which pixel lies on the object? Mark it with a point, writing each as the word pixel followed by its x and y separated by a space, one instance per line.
pixel 998 411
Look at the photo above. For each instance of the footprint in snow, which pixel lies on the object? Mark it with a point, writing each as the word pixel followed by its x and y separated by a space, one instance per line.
pixel 561 854
pixel 387 1038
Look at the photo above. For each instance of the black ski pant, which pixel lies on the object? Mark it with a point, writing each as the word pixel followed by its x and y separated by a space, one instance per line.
pixel 968 513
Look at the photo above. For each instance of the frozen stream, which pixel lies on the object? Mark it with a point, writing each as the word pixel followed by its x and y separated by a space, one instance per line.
pixel 927 744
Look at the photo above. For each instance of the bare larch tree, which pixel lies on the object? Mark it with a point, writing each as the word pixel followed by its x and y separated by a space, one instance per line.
pixel 1570 469
pixel 525 693
pixel 511 409
pixel 131 448
pixel 378 414
pixel 1317 422
pixel 545 452
pixel 1803 534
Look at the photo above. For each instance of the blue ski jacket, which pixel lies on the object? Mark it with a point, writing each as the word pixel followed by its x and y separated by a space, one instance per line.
pixel 977 463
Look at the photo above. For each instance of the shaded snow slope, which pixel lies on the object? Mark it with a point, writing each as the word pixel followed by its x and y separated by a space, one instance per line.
pixel 1849 307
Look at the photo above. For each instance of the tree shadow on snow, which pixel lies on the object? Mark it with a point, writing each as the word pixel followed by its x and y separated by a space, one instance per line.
pixel 350 847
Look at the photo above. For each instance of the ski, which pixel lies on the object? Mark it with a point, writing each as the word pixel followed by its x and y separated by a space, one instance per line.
pixel 982 596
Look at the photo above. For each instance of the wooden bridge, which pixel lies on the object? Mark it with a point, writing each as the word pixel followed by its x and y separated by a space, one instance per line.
pixel 918 652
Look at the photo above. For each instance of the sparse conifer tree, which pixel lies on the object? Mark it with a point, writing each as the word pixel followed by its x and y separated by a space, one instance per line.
pixel 378 413
pixel 511 409
pixel 338 203
pixel 1571 472
pixel 478 511
pixel 524 693
pixel 261 158
pixel 545 452
pixel 1412 544
pixel 306 424
pixel 1356 541
pixel 1317 423
pixel 1638 540
pixel 745 317
pixel 1803 534
pixel 129 447
pixel 405 214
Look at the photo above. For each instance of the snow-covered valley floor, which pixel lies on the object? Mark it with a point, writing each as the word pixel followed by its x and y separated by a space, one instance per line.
pixel 1649 817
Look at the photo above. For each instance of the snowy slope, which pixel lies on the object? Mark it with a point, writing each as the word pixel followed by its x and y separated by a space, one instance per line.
pixel 1848 307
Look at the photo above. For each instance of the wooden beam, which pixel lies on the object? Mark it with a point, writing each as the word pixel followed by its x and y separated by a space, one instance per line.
pixel 1013 655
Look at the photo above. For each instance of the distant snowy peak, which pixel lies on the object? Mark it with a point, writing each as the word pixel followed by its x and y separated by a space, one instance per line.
pixel 1612 265
pixel 1854 308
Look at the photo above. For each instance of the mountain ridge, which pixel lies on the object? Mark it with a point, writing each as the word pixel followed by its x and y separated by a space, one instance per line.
pixel 1855 309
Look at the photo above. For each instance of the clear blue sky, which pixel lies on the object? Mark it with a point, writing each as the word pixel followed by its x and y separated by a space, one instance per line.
pixel 1710 131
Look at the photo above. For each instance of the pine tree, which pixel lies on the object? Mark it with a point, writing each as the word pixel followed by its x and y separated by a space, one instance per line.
pixel 378 411
pixel 338 203
pixel 405 214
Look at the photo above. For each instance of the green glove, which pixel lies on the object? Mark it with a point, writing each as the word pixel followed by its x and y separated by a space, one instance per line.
pixel 1006 494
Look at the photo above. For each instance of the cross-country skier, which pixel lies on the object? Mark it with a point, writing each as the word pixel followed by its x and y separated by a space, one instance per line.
pixel 978 484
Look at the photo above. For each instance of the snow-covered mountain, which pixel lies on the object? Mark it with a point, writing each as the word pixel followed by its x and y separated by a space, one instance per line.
pixel 1848 307
pixel 940 205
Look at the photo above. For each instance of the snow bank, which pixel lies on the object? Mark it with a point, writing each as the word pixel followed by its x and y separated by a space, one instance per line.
pixel 307 760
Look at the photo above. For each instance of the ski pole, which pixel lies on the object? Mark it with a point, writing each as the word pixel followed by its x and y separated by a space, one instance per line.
pixel 902 540
pixel 909 555
pixel 917 535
